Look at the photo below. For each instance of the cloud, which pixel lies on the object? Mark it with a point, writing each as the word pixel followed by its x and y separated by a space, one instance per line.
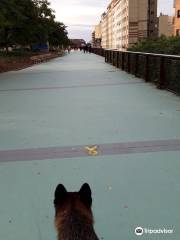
pixel 79 10
pixel 79 15
pixel 82 25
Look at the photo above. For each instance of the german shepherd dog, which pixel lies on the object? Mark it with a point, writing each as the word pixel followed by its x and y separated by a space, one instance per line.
pixel 73 214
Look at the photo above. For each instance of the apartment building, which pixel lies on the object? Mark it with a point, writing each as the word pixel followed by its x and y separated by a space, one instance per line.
pixel 165 26
pixel 93 42
pixel 98 31
pixel 177 18
pixel 110 29
pixel 96 36
pixel 127 21
pixel 104 30
pixel 116 11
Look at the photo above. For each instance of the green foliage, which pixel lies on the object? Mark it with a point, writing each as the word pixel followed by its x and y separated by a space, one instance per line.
pixel 57 34
pixel 27 22
pixel 162 45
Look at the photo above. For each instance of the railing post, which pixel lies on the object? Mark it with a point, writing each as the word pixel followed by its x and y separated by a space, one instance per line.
pixel 105 54
pixel 102 52
pixel 136 64
pixel 161 73
pixel 147 69
pixel 114 58
pixel 117 59
pixel 128 63
pixel 111 54
pixel 122 59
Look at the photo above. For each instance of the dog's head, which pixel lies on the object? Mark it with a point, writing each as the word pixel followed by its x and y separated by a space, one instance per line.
pixel 67 203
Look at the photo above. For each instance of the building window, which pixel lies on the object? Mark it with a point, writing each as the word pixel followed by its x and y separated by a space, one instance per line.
pixel 178 13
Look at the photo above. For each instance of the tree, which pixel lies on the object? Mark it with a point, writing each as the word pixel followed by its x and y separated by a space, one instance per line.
pixel 58 34
pixel 10 17
pixel 28 22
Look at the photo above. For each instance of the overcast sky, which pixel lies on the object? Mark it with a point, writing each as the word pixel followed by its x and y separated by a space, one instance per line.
pixel 81 15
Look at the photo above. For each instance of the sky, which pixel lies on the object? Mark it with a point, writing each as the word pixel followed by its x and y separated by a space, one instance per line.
pixel 82 15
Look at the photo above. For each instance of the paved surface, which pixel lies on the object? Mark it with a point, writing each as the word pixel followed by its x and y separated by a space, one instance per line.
pixel 50 112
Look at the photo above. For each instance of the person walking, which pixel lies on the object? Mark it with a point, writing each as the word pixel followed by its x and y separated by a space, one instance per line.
pixel 69 49
pixel 85 49
pixel 89 48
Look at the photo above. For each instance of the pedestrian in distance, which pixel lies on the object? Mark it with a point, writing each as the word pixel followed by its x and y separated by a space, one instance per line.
pixel 69 49
pixel 89 48
pixel 85 49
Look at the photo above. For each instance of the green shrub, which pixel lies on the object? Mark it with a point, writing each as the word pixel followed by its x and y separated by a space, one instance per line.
pixel 162 45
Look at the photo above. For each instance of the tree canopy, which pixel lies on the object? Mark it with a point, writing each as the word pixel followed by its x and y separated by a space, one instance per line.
pixel 28 22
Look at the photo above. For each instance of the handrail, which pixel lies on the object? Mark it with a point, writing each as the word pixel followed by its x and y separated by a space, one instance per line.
pixel 162 69
pixel 147 54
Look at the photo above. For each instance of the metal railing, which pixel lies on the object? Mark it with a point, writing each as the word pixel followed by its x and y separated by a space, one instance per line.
pixel 163 70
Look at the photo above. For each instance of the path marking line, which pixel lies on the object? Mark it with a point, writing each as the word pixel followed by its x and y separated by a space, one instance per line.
pixel 72 86
pixel 79 151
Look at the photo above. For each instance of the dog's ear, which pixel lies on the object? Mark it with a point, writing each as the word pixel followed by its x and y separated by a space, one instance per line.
pixel 60 195
pixel 85 195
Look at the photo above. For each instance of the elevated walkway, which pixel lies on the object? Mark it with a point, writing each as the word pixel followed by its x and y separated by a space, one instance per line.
pixel 52 113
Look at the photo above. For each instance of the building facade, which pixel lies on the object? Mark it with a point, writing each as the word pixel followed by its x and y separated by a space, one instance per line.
pixel 93 42
pixel 177 18
pixel 152 18
pixel 127 21
pixel 77 43
pixel 104 30
pixel 97 35
pixel 98 31
pixel 165 26
pixel 115 12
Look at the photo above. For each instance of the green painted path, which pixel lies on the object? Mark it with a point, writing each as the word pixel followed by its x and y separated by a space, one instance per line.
pixel 51 111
